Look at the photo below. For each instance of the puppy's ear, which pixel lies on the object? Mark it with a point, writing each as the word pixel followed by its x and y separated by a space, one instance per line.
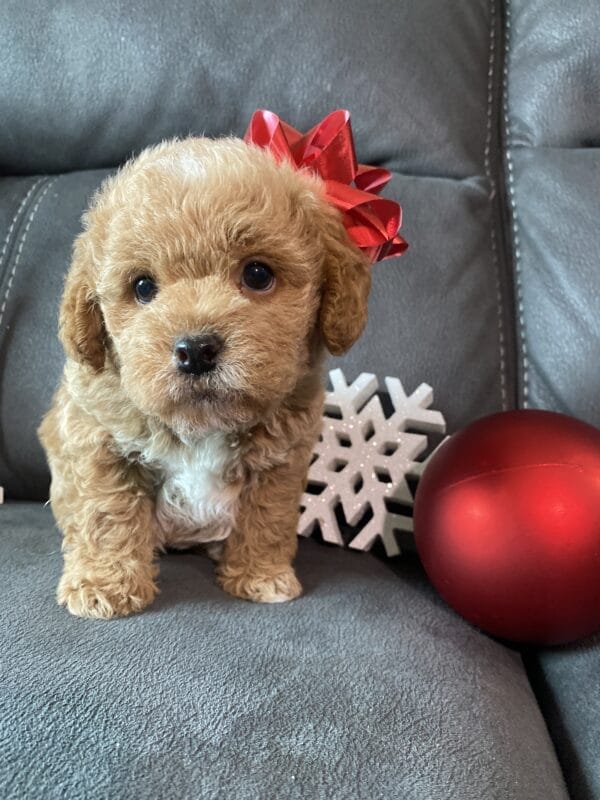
pixel 81 326
pixel 346 285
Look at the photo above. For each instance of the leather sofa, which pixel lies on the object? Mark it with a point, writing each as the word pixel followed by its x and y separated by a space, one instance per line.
pixel 487 113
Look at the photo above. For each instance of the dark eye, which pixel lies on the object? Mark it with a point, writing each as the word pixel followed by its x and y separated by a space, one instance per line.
pixel 145 289
pixel 257 277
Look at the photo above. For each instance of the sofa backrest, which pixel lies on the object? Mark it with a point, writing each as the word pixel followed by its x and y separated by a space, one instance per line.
pixel 486 112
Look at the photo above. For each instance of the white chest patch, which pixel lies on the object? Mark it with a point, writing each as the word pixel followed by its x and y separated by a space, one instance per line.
pixel 194 503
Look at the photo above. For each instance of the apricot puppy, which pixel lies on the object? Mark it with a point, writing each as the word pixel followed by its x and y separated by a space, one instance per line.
pixel 203 292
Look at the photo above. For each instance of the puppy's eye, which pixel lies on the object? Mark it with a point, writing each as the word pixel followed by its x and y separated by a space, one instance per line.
pixel 144 288
pixel 257 277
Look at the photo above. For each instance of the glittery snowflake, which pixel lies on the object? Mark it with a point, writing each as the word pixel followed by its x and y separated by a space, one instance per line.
pixel 363 458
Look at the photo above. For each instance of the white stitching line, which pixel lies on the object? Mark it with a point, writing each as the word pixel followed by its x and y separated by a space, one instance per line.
pixel 515 220
pixel 16 216
pixel 492 185
pixel 21 243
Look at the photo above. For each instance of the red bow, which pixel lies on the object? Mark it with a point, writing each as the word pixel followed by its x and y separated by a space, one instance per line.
pixel 372 222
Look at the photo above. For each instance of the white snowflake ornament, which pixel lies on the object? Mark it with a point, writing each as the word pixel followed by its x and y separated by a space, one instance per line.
pixel 363 459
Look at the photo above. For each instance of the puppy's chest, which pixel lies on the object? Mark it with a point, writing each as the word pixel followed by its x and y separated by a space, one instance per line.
pixel 194 502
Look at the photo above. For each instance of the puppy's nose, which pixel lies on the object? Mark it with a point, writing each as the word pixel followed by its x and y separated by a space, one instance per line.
pixel 196 355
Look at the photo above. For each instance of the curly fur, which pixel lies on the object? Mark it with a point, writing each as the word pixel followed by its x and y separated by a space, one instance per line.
pixel 143 457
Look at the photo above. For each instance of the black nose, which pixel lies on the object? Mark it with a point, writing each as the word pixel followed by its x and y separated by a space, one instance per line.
pixel 195 355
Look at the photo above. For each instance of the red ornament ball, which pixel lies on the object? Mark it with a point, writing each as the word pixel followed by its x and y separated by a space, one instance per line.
pixel 507 525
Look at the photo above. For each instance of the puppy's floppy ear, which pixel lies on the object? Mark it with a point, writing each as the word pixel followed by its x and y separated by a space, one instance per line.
pixel 81 326
pixel 346 285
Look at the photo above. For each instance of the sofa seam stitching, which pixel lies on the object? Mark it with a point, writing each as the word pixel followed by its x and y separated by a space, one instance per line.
pixel 491 197
pixel 20 208
pixel 516 234
pixel 21 245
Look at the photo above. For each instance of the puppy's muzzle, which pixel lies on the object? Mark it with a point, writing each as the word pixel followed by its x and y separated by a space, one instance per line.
pixel 195 355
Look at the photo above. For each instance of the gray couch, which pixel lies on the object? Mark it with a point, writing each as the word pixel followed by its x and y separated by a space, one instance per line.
pixel 369 686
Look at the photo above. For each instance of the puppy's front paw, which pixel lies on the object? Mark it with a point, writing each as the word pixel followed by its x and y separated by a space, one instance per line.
pixel 262 589
pixel 86 597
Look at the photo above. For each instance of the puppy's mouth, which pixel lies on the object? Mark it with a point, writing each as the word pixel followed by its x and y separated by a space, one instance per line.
pixel 210 389
pixel 203 389
pixel 199 394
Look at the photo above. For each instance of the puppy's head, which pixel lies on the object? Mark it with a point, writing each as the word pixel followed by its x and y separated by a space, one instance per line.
pixel 210 277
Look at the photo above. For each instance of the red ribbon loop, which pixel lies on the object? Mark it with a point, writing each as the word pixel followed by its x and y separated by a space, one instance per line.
pixel 372 222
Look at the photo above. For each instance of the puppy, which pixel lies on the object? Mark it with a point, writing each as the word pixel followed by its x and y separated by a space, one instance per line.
pixel 203 293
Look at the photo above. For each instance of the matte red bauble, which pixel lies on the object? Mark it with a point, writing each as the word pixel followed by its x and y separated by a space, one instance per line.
pixel 507 525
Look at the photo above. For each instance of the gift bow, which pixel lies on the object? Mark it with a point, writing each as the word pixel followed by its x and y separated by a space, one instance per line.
pixel 372 222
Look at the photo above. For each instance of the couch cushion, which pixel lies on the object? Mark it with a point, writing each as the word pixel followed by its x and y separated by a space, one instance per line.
pixel 552 118
pixel 367 686
pixel 40 217
pixel 434 314
pixel 554 73
pixel 556 197
pixel 566 681
pixel 91 82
